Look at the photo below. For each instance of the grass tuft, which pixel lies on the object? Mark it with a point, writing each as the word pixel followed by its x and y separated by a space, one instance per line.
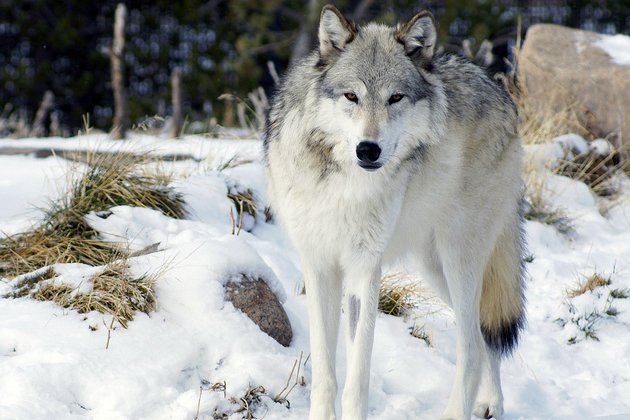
pixel 592 282
pixel 63 236
pixel 419 332
pixel 121 179
pixel 589 305
pixel 244 201
pixel 29 251
pixel 400 296
pixel 542 211
pixel 538 125
pixel 113 291
pixel 397 298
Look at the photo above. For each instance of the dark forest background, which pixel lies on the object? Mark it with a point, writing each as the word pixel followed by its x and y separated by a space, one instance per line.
pixel 222 46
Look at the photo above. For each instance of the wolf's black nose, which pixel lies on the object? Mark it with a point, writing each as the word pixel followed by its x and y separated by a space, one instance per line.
pixel 368 152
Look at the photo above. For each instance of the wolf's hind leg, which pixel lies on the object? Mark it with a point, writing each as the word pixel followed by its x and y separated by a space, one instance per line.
pixel 489 402
pixel 323 295
pixel 463 273
pixel 469 354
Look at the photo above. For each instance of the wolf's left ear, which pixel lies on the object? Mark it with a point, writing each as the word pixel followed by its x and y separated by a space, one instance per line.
pixel 335 32
pixel 418 36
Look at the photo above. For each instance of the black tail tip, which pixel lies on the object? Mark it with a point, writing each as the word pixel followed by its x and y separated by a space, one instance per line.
pixel 504 339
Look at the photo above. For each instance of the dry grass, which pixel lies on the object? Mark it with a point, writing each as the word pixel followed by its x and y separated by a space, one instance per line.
pixel 116 292
pixel 113 291
pixel 244 201
pixel 27 282
pixel 595 170
pixel 233 162
pixel 398 298
pixel 538 126
pixel 587 315
pixel 63 236
pixel 401 295
pixel 591 283
pixel 119 179
pixel 44 246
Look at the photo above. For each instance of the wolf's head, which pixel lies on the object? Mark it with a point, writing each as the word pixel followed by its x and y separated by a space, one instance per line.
pixel 374 85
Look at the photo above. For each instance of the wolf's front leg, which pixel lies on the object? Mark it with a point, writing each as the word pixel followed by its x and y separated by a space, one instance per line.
pixel 361 290
pixel 323 295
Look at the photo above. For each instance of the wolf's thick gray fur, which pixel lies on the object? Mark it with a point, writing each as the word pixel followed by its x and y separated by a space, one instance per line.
pixel 378 149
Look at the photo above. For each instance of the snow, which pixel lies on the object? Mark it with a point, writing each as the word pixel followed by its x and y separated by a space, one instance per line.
pixel 617 47
pixel 54 364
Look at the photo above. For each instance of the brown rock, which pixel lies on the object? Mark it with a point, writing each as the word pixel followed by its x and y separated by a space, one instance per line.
pixel 255 298
pixel 563 70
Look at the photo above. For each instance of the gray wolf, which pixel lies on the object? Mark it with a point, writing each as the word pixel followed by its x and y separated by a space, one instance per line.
pixel 378 148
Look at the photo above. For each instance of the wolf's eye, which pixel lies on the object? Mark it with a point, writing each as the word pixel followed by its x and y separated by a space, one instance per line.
pixel 395 98
pixel 351 97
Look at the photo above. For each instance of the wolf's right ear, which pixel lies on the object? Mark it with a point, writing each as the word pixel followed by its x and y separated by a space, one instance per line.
pixel 335 32
pixel 418 36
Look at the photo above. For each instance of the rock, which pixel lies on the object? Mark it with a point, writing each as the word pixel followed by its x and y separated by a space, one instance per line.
pixel 564 69
pixel 257 301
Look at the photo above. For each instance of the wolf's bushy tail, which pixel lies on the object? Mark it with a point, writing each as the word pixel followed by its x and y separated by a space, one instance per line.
pixel 502 307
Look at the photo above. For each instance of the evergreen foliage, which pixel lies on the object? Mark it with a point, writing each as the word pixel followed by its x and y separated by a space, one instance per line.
pixel 222 46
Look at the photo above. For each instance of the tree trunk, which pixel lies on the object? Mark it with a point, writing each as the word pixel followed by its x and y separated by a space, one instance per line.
pixel 121 113
pixel 228 115
pixel 177 119
pixel 38 129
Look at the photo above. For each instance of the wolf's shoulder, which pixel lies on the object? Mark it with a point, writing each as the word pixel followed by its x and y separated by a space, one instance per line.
pixel 456 70
pixel 467 83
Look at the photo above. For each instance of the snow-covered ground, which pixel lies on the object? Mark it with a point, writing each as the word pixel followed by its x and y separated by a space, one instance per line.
pixel 54 364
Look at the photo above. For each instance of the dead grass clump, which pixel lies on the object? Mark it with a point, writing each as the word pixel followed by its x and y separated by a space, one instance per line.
pixel 27 282
pixel 400 296
pixel 121 179
pixel 64 236
pixel 41 247
pixel 244 201
pixel 538 125
pixel 541 210
pixel 114 291
pixel 396 298
pixel 595 169
pixel 592 282
pixel 589 304
pixel 420 332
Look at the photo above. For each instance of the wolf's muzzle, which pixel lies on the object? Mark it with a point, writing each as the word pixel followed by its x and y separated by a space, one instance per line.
pixel 368 153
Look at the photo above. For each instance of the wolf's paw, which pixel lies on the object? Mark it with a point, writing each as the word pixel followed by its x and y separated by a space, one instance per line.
pixel 488 411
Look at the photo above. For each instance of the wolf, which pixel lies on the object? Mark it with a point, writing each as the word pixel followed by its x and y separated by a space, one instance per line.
pixel 376 149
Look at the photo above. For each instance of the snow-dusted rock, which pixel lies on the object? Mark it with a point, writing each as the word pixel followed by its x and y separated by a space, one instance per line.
pixel 589 73
pixel 257 301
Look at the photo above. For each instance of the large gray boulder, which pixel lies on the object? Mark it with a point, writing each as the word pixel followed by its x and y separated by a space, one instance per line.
pixel 568 69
